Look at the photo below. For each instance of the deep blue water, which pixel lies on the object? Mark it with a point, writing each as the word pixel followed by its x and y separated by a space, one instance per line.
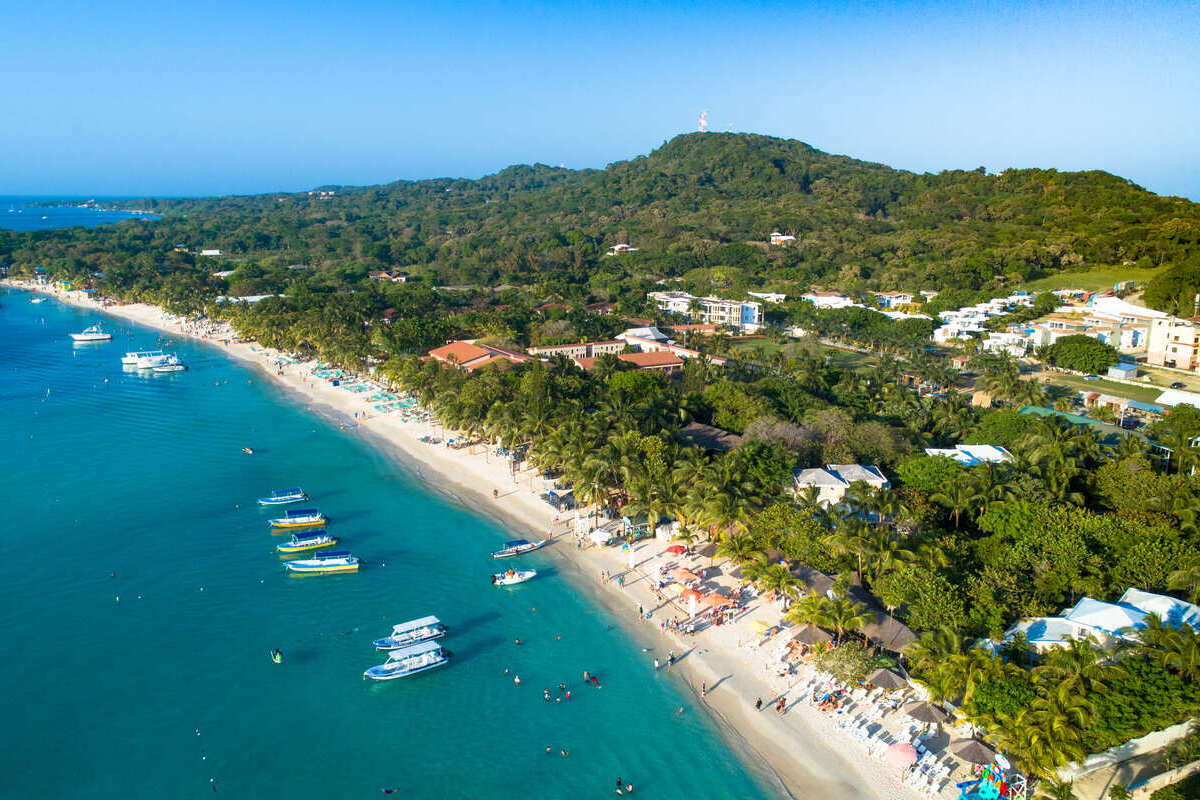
pixel 16 213
pixel 143 476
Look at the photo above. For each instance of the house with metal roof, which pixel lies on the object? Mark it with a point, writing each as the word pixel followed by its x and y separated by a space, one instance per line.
pixel 833 480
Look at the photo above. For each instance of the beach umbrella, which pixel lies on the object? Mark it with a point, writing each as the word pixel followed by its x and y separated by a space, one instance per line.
pixel 886 679
pixel 811 634
pixel 901 754
pixel 925 712
pixel 676 549
pixel 972 750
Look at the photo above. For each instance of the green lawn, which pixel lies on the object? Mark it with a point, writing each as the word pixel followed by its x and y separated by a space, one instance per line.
pixel 1102 278
pixel 1145 395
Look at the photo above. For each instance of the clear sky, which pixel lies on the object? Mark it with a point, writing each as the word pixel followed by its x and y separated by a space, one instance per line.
pixel 175 98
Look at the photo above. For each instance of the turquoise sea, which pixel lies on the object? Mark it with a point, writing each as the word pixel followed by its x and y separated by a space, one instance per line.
pixel 120 485
pixel 17 213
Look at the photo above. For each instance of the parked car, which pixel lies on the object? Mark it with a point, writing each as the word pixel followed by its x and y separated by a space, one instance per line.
pixel 1091 377
pixel 1177 385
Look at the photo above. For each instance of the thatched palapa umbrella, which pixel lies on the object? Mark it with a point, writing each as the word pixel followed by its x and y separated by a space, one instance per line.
pixel 925 712
pixel 886 679
pixel 972 751
pixel 811 634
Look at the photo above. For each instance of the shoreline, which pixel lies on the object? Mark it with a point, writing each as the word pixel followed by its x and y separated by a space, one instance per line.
pixel 803 752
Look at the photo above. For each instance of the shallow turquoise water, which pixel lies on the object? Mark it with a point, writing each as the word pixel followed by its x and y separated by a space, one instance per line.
pixel 143 476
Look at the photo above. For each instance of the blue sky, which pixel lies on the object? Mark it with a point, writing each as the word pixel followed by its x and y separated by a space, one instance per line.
pixel 176 98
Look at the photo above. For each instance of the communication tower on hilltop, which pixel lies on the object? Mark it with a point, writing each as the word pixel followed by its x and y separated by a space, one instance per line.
pixel 704 121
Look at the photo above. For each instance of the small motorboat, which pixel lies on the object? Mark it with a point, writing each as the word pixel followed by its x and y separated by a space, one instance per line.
pixel 409 661
pixel 324 563
pixel 248 451
pixel 281 497
pixel 309 540
pixel 411 632
pixel 299 518
pixel 94 333
pixel 513 576
pixel 516 547
pixel 38 300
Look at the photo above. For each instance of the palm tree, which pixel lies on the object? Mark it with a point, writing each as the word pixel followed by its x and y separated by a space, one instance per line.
pixel 843 614
pixel 1077 666
pixel 1187 578
pixel 738 548
pixel 959 495
pixel 933 648
pixel 778 579
pixel 1052 789
pixel 1181 445
pixel 808 610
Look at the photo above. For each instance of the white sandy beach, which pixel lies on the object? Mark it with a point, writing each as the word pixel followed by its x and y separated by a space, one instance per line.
pixel 811 755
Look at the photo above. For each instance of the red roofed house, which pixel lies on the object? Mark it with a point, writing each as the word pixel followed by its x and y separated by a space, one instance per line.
pixel 470 356
pixel 659 361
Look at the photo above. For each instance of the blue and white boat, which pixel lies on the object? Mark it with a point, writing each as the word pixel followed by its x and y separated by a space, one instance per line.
pixel 93 333
pixel 324 563
pixel 281 497
pixel 516 547
pixel 512 577
pixel 411 632
pixel 299 518
pixel 409 661
pixel 131 358
pixel 307 540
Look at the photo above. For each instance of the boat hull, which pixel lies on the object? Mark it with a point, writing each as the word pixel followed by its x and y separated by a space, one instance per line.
pixel 284 524
pixel 90 337
pixel 321 570
pixel 288 548
pixel 282 501
pixel 388 643
pixel 378 674
pixel 502 579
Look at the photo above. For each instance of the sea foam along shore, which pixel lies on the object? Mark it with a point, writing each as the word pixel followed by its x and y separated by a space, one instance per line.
pixel 804 748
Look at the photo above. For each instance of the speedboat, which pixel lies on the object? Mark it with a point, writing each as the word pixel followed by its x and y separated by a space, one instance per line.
pixel 516 547
pixel 308 540
pixel 281 497
pixel 152 360
pixel 411 632
pixel 169 364
pixel 409 661
pixel 93 333
pixel 299 518
pixel 325 563
pixel 131 359
pixel 512 576
pixel 36 299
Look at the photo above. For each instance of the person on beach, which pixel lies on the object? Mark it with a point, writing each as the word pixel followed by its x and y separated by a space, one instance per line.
pixel 758 704
pixel 670 660
pixel 703 689
pixel 656 665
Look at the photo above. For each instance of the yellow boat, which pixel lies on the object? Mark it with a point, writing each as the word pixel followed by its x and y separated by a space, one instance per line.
pixel 299 518
pixel 309 540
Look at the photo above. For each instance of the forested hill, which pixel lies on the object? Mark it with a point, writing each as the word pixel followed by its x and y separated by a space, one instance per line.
pixel 700 206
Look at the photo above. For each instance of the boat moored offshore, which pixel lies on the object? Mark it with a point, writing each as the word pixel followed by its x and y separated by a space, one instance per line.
pixel 93 333
pixel 411 632
pixel 281 497
pixel 153 360
pixel 308 540
pixel 324 563
pixel 513 576
pixel 299 518
pixel 409 661
pixel 131 359
pixel 170 363
pixel 516 547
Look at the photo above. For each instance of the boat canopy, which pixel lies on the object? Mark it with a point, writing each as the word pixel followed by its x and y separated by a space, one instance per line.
pixel 515 543
pixel 309 535
pixel 414 650
pixel 301 512
pixel 333 554
pixel 416 624
pixel 286 492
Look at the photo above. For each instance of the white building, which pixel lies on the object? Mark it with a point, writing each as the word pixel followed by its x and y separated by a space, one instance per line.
pixel 741 314
pixel 829 300
pixel 212 252
pixel 834 480
pixel 1015 344
pixel 781 238
pixel 1173 342
pixel 893 299
pixel 617 249
pixel 769 297
pixel 972 454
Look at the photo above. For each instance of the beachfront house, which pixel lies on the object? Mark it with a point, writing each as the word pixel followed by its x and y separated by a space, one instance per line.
pixel 470 356
pixel 581 350
pixel 1105 624
pixel 833 480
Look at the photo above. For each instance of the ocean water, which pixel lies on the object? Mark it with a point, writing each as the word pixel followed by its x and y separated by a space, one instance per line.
pixel 16 213
pixel 170 692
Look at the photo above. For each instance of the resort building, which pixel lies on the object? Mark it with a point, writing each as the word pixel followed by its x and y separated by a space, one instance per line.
pixel 769 297
pixel 829 300
pixel 833 480
pixel 470 356
pixel 1174 342
pixel 617 249
pixel 1178 397
pixel 214 252
pixel 781 238
pixel 972 454
pixel 652 340
pixel 893 299
pixel 741 314
pixel 584 350
pixel 655 361
pixel 1106 624
pixel 386 275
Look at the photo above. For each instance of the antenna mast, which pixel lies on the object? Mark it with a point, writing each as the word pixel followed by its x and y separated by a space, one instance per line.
pixel 704 121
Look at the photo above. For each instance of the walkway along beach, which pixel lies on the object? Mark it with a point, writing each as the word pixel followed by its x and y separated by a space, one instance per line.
pixel 809 752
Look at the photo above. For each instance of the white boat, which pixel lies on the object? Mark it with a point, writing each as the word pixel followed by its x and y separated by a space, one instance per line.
pixel 411 632
pixel 516 547
pixel 153 360
pixel 171 364
pixel 513 576
pixel 409 661
pixel 131 359
pixel 299 518
pixel 281 497
pixel 325 563
pixel 92 334
pixel 37 299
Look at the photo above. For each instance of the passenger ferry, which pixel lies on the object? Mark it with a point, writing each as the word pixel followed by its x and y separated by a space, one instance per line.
pixel 151 361
pixel 409 661
pixel 299 518
pixel 309 540
pixel 92 334
pixel 131 359
pixel 281 497
pixel 516 547
pixel 411 632
pixel 325 563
